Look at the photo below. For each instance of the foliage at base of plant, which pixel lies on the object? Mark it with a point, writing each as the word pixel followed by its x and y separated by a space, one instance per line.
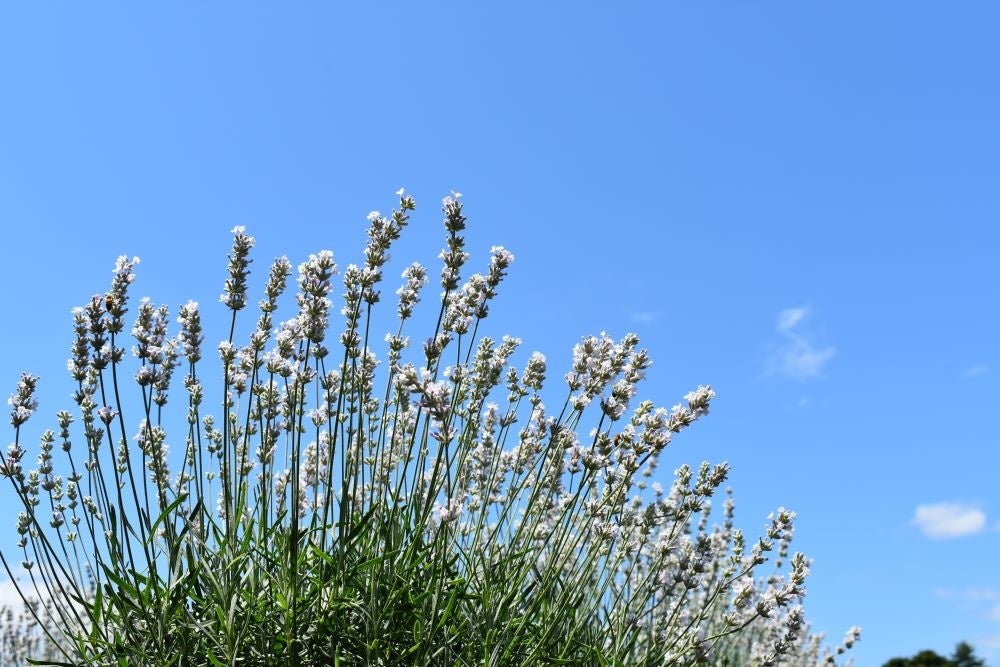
pixel 425 508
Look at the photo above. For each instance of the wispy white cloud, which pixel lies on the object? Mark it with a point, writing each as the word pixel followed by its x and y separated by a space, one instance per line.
pixel 947 520
pixel 9 597
pixel 790 317
pixel 980 602
pixel 975 593
pixel 989 645
pixel 797 354
pixel 646 317
pixel 976 370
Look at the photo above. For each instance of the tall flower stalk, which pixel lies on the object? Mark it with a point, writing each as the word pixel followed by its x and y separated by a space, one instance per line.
pixel 359 500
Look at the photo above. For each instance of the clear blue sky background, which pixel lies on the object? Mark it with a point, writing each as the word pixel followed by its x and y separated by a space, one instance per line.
pixel 794 202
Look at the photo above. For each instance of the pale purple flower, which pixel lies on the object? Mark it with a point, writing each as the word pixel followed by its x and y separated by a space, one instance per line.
pixel 115 300
pixel 234 293
pixel 534 371
pixel 450 512
pixel 314 286
pixel 454 256
pixel 409 294
pixel 106 414
pixel 22 401
pixel 191 336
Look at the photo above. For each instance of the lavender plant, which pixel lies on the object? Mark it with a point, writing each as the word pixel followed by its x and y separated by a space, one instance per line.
pixel 426 509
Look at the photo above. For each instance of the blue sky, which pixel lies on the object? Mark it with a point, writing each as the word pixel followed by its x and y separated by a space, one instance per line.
pixel 794 202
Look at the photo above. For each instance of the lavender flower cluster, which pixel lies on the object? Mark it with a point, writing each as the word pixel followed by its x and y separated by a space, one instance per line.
pixel 548 509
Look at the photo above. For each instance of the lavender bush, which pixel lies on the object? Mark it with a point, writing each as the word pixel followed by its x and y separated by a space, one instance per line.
pixel 426 509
